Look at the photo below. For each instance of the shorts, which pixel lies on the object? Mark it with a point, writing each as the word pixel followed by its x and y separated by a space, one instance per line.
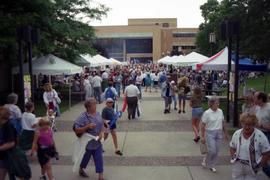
pixel 155 83
pixel 182 97
pixel 45 154
pixel 197 112
pixel 112 127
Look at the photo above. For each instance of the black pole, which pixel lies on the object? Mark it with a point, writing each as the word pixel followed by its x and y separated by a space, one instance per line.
pixel 236 78
pixel 228 76
pixel 21 81
pixel 31 70
pixel 265 79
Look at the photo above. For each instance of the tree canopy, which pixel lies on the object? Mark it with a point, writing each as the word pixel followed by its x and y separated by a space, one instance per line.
pixel 64 26
pixel 254 18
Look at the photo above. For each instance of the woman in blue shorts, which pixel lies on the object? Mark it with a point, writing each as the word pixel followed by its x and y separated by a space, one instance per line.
pixel 197 111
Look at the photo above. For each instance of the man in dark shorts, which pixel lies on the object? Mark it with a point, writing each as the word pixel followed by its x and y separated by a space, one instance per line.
pixel 108 114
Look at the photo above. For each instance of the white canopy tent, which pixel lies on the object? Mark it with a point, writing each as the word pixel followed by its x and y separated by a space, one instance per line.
pixel 50 65
pixel 115 62
pixel 164 59
pixel 217 62
pixel 94 61
pixel 169 60
pixel 192 58
pixel 181 60
pixel 98 60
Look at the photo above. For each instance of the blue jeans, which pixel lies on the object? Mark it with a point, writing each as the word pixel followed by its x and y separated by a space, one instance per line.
pixel 118 88
pixel 139 86
pixel 97 94
pixel 97 156
pixel 174 101
pixel 213 142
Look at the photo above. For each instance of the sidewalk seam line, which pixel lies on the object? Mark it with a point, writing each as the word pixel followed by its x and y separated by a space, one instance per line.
pixel 189 171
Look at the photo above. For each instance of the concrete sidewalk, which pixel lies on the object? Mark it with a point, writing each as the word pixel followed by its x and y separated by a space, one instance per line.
pixel 156 146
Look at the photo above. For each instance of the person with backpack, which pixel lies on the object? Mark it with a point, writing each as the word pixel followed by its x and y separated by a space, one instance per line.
pixel 110 92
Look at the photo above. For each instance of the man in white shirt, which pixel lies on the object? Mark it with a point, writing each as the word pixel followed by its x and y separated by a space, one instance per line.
pixel 263 115
pixel 105 77
pixel 132 92
pixel 97 87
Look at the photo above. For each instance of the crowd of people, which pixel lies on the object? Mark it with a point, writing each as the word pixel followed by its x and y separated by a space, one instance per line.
pixel 249 147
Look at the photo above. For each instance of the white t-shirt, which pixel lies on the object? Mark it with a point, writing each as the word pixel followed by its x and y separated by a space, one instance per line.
pixel 96 81
pixel 139 79
pixel 105 75
pixel 213 119
pixel 244 148
pixel 28 120
pixel 132 91
pixel 263 114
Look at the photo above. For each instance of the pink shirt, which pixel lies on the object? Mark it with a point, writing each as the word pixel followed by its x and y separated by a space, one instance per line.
pixel 45 138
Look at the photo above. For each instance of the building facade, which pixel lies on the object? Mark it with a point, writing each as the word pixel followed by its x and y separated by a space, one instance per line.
pixel 145 40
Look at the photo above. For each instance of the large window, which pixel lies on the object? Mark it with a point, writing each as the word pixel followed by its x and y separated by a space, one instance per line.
pixel 139 45
pixel 145 60
pixel 183 34
pixel 111 45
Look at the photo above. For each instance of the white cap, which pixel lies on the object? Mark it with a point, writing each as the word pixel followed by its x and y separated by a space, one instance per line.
pixel 109 100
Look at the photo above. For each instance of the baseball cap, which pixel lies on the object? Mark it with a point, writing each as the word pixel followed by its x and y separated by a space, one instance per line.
pixel 109 100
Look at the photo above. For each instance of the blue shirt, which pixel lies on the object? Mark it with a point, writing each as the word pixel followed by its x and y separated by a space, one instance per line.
pixel 86 118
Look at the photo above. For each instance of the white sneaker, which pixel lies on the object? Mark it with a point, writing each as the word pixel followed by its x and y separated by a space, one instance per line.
pixel 213 169
pixel 203 163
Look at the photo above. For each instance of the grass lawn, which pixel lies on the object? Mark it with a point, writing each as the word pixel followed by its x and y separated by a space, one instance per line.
pixel 40 109
pixel 255 83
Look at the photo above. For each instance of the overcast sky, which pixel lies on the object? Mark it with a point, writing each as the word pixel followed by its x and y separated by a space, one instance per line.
pixel 187 12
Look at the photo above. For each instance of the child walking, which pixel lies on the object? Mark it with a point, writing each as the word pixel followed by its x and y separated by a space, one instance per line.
pixel 44 145
pixel 51 117
pixel 29 124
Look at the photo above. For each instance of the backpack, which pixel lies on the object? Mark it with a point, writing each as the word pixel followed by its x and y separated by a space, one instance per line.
pixel 109 93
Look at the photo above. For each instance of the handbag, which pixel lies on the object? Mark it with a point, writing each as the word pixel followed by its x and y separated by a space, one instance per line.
pixel 18 163
pixel 58 100
pixel 203 148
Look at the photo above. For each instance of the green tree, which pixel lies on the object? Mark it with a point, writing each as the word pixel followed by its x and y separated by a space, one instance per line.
pixel 254 19
pixel 64 25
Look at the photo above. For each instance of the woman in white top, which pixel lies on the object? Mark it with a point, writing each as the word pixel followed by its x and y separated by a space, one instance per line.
pixel 249 149
pixel 51 99
pixel 87 88
pixel 213 125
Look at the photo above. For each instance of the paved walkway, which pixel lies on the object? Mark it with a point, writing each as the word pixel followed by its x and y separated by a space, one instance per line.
pixel 155 146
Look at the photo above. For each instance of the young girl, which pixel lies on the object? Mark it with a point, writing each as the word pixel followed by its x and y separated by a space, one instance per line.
pixel 51 117
pixel 44 145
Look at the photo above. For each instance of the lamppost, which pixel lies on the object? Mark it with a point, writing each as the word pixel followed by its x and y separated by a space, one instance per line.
pixel 212 40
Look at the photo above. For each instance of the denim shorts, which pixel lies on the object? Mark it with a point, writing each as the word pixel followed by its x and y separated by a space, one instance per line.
pixel 182 97
pixel 197 112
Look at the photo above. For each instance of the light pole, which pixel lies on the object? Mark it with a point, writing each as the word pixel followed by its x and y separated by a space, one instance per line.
pixel 212 40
